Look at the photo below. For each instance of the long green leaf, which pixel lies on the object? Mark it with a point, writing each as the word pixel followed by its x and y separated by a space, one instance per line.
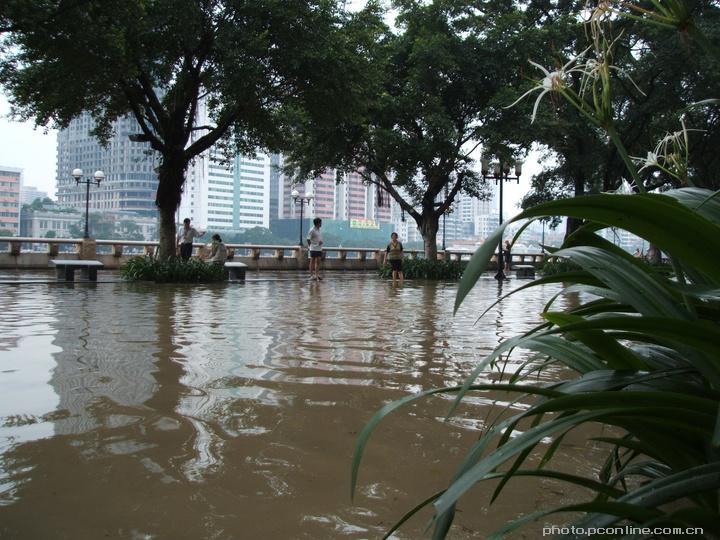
pixel 502 454
pixel 628 279
pixel 662 491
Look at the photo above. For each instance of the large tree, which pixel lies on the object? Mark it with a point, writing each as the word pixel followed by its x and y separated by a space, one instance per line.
pixel 246 62
pixel 432 88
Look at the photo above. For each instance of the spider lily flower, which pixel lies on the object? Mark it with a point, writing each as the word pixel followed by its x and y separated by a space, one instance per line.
pixel 671 154
pixel 554 81
pixel 650 161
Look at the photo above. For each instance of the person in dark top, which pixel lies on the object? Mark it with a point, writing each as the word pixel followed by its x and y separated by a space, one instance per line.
pixel 394 254
pixel 507 255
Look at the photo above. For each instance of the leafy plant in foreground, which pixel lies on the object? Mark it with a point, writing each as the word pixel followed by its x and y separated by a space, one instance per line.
pixel 645 351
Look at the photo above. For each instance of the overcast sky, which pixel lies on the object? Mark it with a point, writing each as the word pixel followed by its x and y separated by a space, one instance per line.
pixel 30 149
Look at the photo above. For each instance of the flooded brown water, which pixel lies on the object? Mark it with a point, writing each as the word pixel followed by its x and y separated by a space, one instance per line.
pixel 231 411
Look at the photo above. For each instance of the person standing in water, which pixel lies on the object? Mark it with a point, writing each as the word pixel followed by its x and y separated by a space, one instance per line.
pixel 394 254
pixel 507 256
pixel 315 242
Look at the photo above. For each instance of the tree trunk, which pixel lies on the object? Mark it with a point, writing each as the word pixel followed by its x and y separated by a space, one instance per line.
pixel 428 226
pixel 171 177
pixel 167 233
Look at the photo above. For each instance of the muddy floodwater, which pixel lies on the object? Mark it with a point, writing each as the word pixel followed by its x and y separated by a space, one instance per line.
pixel 231 411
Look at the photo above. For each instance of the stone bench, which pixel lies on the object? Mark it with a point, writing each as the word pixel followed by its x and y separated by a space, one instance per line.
pixel 235 270
pixel 524 270
pixel 66 269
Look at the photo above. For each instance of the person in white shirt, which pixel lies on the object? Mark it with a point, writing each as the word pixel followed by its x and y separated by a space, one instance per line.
pixel 218 251
pixel 315 242
pixel 185 238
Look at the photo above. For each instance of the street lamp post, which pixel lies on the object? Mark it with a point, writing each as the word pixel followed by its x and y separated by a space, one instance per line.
pixel 438 204
pixel 501 173
pixel 98 177
pixel 305 199
pixel 443 224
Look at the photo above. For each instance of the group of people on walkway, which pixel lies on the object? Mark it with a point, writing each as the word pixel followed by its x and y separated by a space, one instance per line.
pixel 218 252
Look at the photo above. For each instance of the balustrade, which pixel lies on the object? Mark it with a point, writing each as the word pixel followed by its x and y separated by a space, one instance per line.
pixel 25 252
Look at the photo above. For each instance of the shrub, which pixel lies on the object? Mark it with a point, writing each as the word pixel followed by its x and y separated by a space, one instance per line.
pixel 173 270
pixel 555 266
pixel 426 269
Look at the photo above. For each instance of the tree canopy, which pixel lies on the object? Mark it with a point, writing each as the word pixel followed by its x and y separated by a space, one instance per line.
pixel 193 73
pixel 432 96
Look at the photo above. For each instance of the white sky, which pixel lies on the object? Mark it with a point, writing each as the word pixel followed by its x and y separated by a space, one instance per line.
pixel 27 148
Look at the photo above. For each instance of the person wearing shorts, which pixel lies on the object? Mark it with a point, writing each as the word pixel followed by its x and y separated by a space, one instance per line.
pixel 394 254
pixel 315 242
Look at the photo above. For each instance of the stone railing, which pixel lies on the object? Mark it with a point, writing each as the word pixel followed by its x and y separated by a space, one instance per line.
pixel 27 253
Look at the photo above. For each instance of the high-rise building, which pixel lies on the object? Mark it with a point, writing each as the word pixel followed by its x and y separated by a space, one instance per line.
pixel 324 195
pixel 227 193
pixel 10 186
pixel 276 187
pixel 351 198
pixel 28 194
pixel 130 178
pixel 356 199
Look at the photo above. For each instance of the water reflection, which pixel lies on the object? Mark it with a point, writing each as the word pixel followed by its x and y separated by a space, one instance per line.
pixel 232 410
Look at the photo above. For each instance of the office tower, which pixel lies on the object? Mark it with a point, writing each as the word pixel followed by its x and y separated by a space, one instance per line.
pixel 227 193
pixel 349 199
pixel 28 194
pixel 276 187
pixel 356 199
pixel 252 191
pixel 323 190
pixel 130 178
pixel 10 186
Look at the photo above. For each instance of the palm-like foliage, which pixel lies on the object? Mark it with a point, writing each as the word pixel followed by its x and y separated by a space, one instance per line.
pixel 644 347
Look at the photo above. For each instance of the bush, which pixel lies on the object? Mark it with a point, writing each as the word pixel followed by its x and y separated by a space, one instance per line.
pixel 173 270
pixel 425 269
pixel 558 266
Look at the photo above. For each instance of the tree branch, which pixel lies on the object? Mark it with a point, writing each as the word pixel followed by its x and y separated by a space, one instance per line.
pixel 207 140
pixel 154 140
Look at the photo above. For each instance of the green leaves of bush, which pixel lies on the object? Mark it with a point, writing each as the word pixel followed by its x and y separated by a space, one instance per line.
pixel 426 269
pixel 173 270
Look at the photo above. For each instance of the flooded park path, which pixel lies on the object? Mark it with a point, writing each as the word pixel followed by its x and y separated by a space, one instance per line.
pixel 227 411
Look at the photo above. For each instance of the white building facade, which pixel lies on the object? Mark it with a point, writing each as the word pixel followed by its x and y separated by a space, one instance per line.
pixel 227 194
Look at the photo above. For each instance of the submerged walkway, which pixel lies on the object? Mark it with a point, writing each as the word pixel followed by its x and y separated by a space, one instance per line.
pixel 135 410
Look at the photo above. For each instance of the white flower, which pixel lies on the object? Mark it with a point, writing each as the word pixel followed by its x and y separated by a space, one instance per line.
pixel 650 161
pixel 554 81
